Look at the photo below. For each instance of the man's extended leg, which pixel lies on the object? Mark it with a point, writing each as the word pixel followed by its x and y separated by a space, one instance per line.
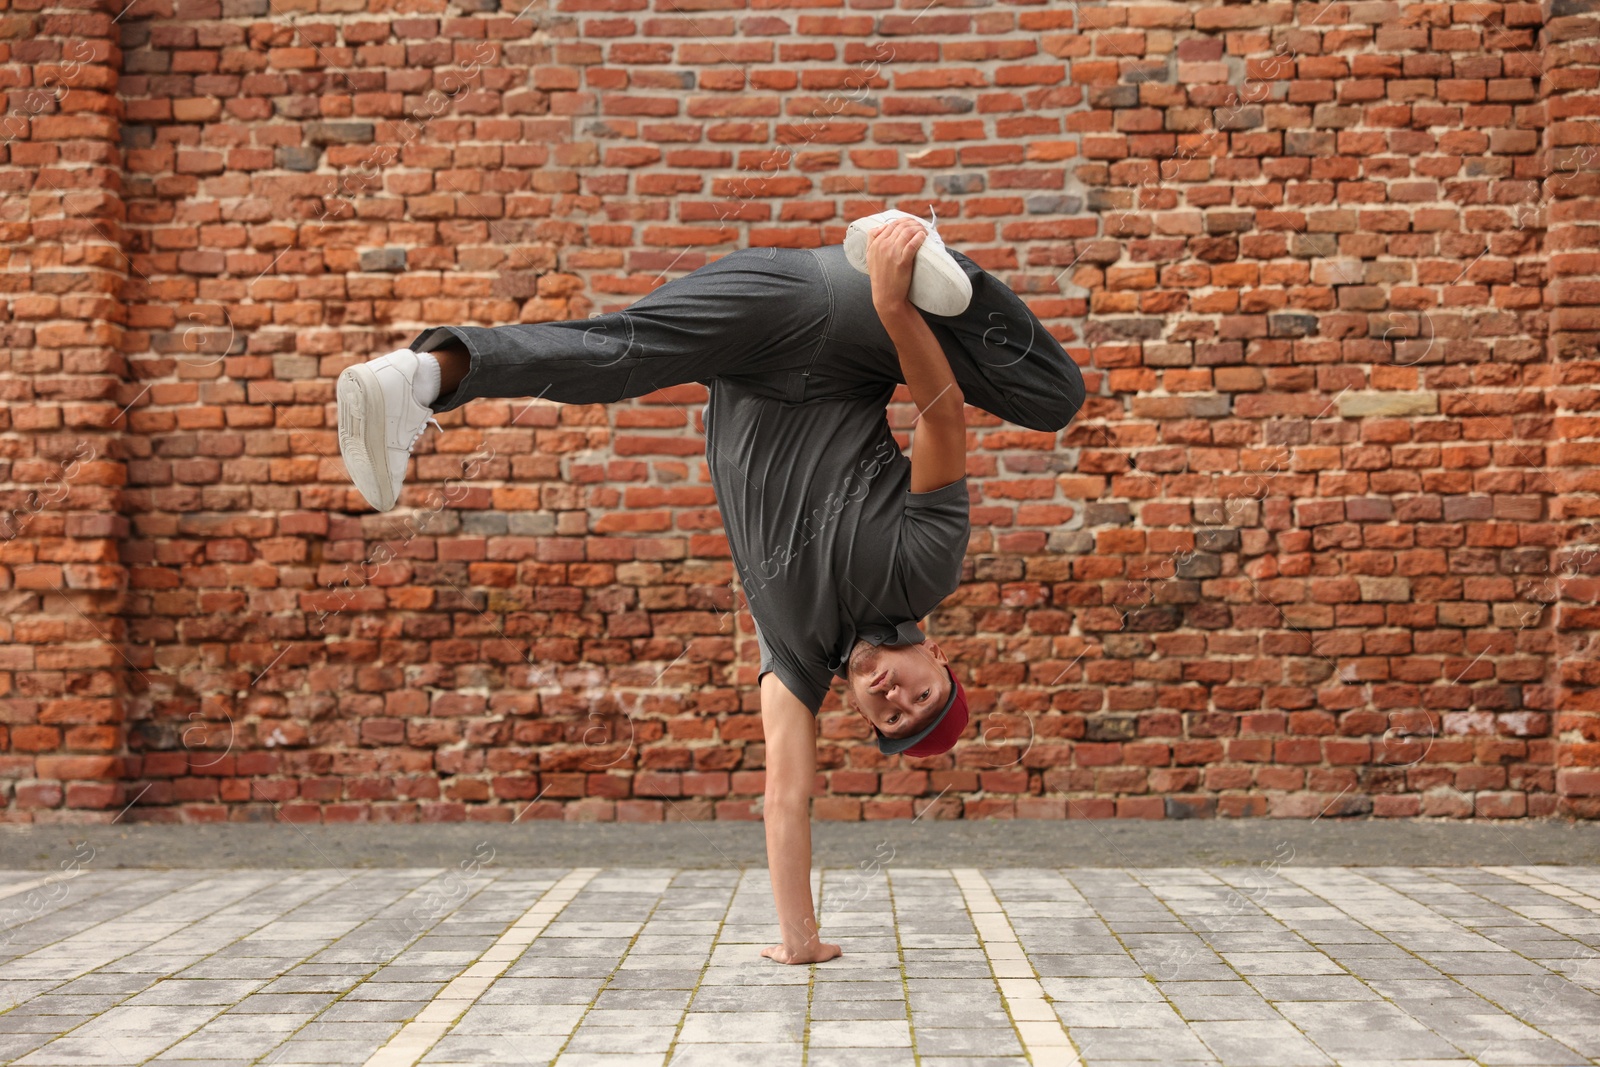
pixel 756 312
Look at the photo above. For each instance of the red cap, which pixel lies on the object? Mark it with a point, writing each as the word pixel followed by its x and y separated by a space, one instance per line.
pixel 939 735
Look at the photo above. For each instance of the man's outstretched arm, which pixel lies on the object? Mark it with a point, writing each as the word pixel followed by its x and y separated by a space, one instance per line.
pixel 791 743
pixel 939 449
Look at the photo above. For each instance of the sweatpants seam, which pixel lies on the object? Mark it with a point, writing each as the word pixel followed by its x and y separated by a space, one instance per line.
pixel 827 322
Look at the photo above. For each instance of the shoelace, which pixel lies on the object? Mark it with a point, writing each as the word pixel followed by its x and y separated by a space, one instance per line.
pixel 413 442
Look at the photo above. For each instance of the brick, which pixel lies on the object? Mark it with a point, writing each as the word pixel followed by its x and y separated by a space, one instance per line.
pixel 1392 404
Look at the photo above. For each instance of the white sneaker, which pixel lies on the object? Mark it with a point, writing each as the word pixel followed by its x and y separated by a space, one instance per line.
pixel 380 420
pixel 938 284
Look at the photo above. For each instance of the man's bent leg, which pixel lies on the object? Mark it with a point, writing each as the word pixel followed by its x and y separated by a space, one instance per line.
pixel 1002 356
pixel 1009 357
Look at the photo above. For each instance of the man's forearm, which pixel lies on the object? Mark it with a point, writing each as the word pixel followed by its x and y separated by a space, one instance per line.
pixel 790 726
pixel 922 362
pixel 789 861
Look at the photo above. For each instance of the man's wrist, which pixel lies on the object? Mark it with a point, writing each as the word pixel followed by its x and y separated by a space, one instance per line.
pixel 894 309
pixel 802 933
pixel 803 948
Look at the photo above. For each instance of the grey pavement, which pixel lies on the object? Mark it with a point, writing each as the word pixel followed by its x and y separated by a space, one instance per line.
pixel 1285 947
pixel 924 841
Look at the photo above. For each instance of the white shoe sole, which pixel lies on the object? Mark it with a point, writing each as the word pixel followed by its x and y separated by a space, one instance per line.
pixel 938 284
pixel 361 439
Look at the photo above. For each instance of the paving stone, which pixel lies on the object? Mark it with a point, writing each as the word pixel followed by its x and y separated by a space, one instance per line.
pixel 93 1050
pixel 674 999
pixel 1263 1042
pixel 1481 963
pixel 542 991
pixel 941 1041
pixel 235 968
pixel 1323 987
pixel 283 1003
pixel 13 1045
pixel 370 1010
pixel 960 1017
pixel 674 977
pixel 836 1010
pixel 1349 1043
pixel 590 1059
pixel 545 1020
pixel 1158 1043
pixel 1267 963
pixel 737 1055
pixel 857 1034
pixel 324 1052
pixel 859 989
pixel 1063 965
pixel 1374 969
pixel 735 997
pixel 103 982
pixel 931 968
pixel 857 1057
pixel 325 1030
pixel 453 1049
pixel 1125 990
pixel 700 1027
pixel 634 1017
pixel 197 991
pixel 1117 1014
pixel 77 1004
pixel 412 991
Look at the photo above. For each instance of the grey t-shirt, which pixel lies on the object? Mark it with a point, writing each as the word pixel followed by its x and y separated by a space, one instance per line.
pixel 827 538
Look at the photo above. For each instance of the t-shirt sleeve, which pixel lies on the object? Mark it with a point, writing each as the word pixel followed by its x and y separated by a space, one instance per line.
pixel 934 529
pixel 804 684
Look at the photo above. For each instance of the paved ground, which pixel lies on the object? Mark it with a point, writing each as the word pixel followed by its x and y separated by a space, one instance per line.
pixel 927 841
pixel 1276 963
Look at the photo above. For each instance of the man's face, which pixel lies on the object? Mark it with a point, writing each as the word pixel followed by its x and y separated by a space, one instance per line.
pixel 899 688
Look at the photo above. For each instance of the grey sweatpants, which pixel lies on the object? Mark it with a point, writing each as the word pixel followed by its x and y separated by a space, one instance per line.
pixel 796 324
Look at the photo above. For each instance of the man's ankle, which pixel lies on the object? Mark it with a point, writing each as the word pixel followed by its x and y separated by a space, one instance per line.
pixel 454 362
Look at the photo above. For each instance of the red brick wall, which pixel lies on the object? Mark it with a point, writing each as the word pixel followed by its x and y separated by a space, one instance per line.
pixel 62 675
pixel 1321 540
pixel 1568 399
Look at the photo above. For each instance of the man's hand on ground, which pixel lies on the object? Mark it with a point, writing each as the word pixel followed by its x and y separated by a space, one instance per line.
pixel 815 952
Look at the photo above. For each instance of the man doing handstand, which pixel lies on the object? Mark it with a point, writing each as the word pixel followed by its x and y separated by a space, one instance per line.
pixel 841 543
